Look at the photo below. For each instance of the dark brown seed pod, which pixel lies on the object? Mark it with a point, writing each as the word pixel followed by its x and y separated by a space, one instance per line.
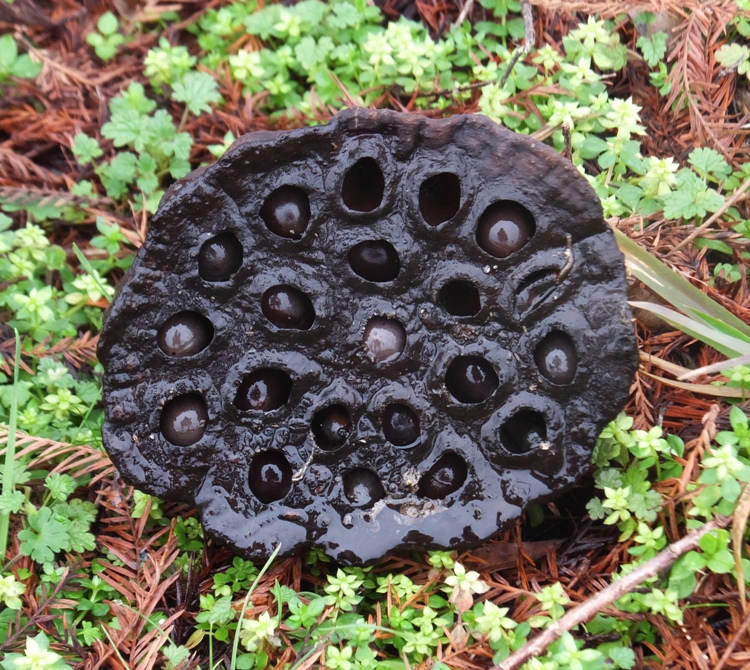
pixel 382 333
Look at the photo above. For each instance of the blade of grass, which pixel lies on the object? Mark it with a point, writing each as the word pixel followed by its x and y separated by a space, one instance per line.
pixel 86 265
pixel 674 288
pixel 253 586
pixel 10 452
pixel 726 344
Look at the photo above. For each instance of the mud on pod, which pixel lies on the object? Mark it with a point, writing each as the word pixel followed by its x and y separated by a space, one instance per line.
pixel 326 342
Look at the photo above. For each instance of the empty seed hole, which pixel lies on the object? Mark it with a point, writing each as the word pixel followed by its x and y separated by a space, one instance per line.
pixel 471 379
pixel 270 476
pixel 286 212
pixel 460 298
pixel 445 477
pixel 184 419
pixel 535 289
pixel 556 357
pixel 374 260
pixel 288 307
pixel 363 487
pixel 364 186
pixel 401 425
pixel 185 334
pixel 220 257
pixel 384 339
pixel 525 431
pixel 331 426
pixel 504 228
pixel 439 198
pixel 264 389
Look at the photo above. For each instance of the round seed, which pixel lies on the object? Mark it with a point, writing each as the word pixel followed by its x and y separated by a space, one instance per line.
pixel 184 419
pixel 286 212
pixel 556 357
pixel 288 307
pixel 504 228
pixel 363 487
pixel 374 260
pixel 220 257
pixel 185 334
pixel 445 477
pixel 265 389
pixel 401 425
pixel 471 379
pixel 385 339
pixel 331 426
pixel 270 476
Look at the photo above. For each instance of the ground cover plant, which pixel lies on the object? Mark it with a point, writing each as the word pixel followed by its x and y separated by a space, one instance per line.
pixel 103 105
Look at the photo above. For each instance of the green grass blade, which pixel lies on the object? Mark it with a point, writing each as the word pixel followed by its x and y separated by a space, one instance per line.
pixel 719 325
pixel 253 586
pixel 86 265
pixel 726 344
pixel 10 451
pixel 675 289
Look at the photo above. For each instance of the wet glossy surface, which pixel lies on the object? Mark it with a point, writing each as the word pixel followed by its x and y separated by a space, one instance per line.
pixel 355 336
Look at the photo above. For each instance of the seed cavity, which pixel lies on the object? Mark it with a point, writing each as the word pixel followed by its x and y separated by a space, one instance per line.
pixel 286 212
pixel 363 487
pixel 460 297
pixel 556 357
pixel 471 379
pixel 184 419
pixel 331 426
pixel 265 390
pixel 401 425
pixel 185 334
pixel 288 307
pixel 270 476
pixel 439 198
pixel 445 477
pixel 374 260
pixel 364 186
pixel 535 289
pixel 384 339
pixel 525 431
pixel 504 228
pixel 220 257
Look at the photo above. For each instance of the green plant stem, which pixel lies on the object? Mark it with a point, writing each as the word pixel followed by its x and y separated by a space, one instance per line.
pixel 10 451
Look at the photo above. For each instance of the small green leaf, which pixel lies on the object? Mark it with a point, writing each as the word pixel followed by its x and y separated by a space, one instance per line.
pixel 107 24
pixel 653 48
pixel 197 90
pixel 45 536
